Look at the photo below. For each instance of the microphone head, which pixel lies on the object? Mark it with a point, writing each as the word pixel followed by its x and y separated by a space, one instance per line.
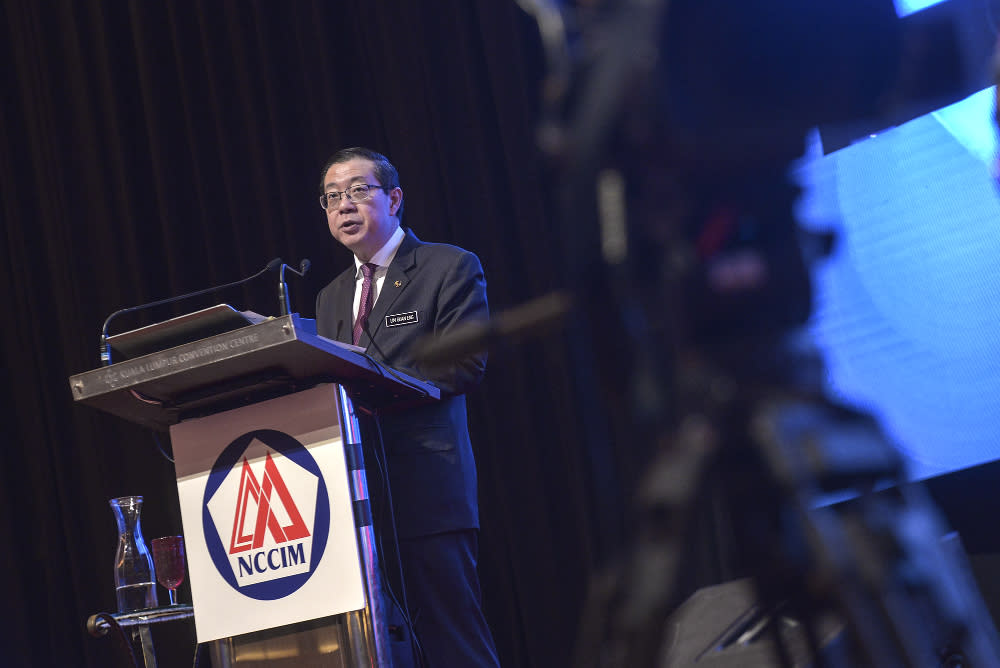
pixel 304 266
pixel 273 264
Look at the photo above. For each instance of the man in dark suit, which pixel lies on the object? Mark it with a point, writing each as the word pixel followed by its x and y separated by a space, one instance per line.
pixel 414 289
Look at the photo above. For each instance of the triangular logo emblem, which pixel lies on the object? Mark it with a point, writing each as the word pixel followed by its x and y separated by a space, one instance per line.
pixel 259 506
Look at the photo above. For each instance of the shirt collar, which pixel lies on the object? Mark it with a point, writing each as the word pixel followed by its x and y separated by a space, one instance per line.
pixel 385 255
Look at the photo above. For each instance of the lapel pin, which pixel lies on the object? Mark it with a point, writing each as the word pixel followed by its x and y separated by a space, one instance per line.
pixel 399 284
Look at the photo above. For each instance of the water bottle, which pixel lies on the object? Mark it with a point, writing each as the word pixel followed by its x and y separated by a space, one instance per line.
pixel 135 579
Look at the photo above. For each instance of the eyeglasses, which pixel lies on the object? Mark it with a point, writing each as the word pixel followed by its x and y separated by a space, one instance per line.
pixel 359 192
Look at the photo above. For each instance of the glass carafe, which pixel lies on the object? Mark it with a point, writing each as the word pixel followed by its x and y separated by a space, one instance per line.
pixel 135 579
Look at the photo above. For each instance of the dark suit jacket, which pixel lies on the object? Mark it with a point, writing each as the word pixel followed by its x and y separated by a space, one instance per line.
pixel 432 472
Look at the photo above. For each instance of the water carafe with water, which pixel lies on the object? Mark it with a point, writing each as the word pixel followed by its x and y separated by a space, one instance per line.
pixel 135 579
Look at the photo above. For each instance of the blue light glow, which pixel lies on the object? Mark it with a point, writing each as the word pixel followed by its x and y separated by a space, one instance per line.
pixel 906 7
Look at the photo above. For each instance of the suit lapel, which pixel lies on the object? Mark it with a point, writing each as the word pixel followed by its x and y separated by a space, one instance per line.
pixel 396 279
pixel 343 300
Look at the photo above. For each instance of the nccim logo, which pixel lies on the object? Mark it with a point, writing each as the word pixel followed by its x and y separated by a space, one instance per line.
pixel 266 514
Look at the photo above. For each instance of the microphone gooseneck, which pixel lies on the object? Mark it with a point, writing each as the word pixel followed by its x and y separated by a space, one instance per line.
pixel 105 349
pixel 282 291
pixel 283 299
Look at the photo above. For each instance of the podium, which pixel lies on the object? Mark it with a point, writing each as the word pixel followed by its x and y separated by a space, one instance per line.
pixel 274 501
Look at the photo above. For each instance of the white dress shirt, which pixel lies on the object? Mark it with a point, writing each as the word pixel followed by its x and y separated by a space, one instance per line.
pixel 382 258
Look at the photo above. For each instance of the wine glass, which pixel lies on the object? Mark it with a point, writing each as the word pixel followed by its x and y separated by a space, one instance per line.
pixel 168 558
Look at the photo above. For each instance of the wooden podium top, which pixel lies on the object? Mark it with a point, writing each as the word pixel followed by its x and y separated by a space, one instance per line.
pixel 240 367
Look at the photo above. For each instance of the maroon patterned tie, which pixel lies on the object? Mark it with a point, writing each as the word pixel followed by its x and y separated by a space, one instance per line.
pixel 365 305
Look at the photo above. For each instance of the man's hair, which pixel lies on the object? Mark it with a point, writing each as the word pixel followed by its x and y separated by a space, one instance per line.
pixel 385 172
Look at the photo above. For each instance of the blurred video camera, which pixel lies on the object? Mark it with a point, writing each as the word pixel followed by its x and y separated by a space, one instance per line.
pixel 671 126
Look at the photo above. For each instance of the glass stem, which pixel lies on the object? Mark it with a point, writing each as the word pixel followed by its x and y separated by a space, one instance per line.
pixel 173 596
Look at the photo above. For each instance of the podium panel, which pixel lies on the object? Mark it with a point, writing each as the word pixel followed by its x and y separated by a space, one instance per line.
pixel 267 513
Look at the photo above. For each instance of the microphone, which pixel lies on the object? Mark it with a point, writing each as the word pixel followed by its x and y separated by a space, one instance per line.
pixel 106 349
pixel 283 299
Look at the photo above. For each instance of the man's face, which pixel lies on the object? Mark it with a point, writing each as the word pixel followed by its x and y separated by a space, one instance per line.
pixel 363 226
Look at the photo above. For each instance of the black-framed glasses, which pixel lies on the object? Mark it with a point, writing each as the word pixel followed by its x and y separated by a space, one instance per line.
pixel 359 192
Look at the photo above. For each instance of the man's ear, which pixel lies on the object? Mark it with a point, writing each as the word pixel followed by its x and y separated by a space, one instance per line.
pixel 395 199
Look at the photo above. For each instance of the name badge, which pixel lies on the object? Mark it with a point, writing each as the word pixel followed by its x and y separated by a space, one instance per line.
pixel 399 319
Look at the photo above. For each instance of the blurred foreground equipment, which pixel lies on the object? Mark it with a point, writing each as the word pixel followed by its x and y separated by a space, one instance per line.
pixel 671 127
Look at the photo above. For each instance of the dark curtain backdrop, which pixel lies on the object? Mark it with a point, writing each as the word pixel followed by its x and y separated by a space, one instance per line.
pixel 150 149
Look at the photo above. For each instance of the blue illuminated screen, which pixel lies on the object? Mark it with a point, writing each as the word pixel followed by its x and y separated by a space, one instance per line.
pixel 908 305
